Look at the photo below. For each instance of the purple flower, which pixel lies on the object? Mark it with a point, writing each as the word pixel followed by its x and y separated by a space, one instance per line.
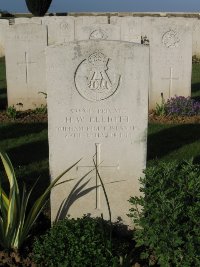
pixel 182 106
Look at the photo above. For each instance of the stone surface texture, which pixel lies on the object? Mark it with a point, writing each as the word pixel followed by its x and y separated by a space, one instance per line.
pixel 36 20
pixel 4 24
pixel 82 21
pixel 97 111
pixel 60 29
pixel 98 32
pixel 170 59
pixel 196 39
pixel 25 65
pixel 130 28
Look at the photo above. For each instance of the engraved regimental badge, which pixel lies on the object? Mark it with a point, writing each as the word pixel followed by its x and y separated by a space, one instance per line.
pixel 95 77
pixel 170 39
pixel 98 34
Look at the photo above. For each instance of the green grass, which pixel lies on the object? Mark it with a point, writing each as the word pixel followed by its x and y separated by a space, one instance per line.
pixel 196 81
pixel 173 142
pixel 27 146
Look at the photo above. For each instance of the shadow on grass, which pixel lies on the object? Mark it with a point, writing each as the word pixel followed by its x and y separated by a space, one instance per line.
pixel 196 91
pixel 168 140
pixel 30 160
pixel 15 130
pixel 29 153
pixel 3 99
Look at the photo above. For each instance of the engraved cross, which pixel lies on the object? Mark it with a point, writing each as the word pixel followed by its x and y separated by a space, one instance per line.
pixel 26 62
pixel 170 78
pixel 99 167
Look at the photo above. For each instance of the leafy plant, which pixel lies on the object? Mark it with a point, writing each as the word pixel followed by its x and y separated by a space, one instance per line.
pixel 38 7
pixel 11 112
pixel 160 109
pixel 178 106
pixel 167 215
pixel 41 110
pixel 15 220
pixel 182 106
pixel 75 242
pixel 82 242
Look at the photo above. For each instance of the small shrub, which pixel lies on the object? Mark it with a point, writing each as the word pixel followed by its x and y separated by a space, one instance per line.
pixel 167 215
pixel 75 242
pixel 41 110
pixel 178 106
pixel 160 109
pixel 11 112
pixel 182 106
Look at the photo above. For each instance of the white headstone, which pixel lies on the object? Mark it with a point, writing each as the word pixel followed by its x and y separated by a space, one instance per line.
pixel 97 110
pixel 146 28
pixel 4 25
pixel 60 29
pixel 36 20
pixel 98 32
pixel 88 21
pixel 25 65
pixel 130 28
pixel 196 39
pixel 170 60
pixel 21 20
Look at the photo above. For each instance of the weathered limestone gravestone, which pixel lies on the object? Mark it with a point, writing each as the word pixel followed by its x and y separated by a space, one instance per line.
pixel 97 109
pixel 4 24
pixel 147 27
pixel 60 29
pixel 170 60
pixel 196 39
pixel 98 32
pixel 82 21
pixel 25 65
pixel 36 20
pixel 131 28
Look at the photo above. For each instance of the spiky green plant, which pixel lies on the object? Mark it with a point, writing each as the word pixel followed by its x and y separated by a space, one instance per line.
pixel 15 221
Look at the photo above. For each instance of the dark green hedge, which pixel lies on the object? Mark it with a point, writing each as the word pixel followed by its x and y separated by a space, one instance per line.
pixel 168 214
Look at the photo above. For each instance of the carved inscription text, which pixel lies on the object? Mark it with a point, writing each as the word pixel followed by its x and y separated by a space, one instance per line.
pixel 97 123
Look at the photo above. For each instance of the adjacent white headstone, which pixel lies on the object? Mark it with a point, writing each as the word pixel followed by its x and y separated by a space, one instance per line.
pixel 25 65
pixel 97 111
pixel 196 39
pixel 4 25
pixel 170 60
pixel 131 28
pixel 36 20
pixel 88 21
pixel 60 29
pixel 98 32
pixel 146 28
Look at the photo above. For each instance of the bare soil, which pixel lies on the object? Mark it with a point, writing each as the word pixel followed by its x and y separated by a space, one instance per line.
pixel 27 116
pixel 153 118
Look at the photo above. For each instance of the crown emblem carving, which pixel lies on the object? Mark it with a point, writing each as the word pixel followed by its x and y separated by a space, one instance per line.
pixel 98 59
